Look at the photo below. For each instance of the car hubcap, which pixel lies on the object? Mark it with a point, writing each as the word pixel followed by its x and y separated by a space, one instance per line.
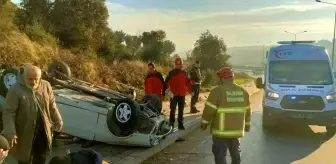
pixel 123 112
pixel 9 80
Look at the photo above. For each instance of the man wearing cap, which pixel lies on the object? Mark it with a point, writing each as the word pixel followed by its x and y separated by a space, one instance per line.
pixel 179 85
pixel 31 117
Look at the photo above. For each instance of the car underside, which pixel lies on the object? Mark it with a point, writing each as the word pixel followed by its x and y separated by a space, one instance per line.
pixel 99 114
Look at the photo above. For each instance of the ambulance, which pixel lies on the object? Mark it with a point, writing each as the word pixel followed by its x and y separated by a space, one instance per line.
pixel 299 86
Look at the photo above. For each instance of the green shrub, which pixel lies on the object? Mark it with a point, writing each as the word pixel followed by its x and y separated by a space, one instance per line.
pixel 37 33
pixel 210 78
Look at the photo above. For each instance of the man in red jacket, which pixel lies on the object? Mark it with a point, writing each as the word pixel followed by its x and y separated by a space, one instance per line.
pixel 154 81
pixel 179 84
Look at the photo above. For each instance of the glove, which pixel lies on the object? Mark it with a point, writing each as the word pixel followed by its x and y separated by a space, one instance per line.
pixel 203 126
pixel 247 128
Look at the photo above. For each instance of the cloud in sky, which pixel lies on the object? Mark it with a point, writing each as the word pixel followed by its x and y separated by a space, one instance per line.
pixel 238 22
pixel 245 27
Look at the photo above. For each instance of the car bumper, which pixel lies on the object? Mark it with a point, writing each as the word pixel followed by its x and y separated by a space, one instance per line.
pixel 324 118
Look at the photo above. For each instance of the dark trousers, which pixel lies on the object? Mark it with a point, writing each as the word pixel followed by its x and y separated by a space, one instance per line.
pixel 194 98
pixel 174 102
pixel 220 147
pixel 39 149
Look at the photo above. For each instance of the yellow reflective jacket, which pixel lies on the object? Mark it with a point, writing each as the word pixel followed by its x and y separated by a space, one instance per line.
pixel 228 110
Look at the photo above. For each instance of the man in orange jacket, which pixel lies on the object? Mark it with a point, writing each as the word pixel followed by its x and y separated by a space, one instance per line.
pixel 179 84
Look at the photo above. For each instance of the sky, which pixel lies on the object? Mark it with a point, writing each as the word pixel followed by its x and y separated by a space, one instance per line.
pixel 238 22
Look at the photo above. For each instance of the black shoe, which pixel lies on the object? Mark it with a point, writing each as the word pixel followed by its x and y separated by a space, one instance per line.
pixel 181 127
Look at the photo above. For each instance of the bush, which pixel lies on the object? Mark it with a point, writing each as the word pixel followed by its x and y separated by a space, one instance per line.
pixel 210 78
pixel 37 33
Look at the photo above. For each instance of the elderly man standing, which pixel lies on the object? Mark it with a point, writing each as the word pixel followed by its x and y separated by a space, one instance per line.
pixel 31 117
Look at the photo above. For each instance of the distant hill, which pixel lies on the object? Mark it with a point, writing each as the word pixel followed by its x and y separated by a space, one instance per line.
pixel 247 55
pixel 255 55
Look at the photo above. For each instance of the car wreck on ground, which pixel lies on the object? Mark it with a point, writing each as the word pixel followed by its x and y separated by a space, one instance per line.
pixel 95 113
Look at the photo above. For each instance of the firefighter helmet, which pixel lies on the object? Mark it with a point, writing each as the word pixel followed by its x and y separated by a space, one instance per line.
pixel 225 73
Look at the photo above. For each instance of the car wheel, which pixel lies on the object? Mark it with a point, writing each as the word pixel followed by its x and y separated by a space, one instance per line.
pixel 154 102
pixel 331 130
pixel 8 79
pixel 59 70
pixel 123 118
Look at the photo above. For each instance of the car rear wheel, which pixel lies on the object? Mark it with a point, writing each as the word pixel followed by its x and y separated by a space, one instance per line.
pixel 8 79
pixel 59 70
pixel 123 118
pixel 153 102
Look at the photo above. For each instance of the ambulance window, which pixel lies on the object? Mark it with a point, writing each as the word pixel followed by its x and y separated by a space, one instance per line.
pixel 304 72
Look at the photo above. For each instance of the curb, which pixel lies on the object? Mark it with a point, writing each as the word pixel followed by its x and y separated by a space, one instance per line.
pixel 139 157
pixel 142 155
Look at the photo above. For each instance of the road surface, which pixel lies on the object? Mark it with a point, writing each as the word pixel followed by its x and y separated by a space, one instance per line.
pixel 289 144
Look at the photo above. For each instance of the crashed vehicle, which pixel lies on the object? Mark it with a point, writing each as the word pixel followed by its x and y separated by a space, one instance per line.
pixel 99 114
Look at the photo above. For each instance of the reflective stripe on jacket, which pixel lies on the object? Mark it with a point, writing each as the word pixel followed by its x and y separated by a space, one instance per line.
pixel 227 109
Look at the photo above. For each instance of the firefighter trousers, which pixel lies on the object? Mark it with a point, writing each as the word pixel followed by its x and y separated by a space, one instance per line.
pixel 220 147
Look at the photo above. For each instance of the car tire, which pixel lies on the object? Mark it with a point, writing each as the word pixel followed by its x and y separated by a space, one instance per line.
pixel 154 102
pixel 8 79
pixel 331 130
pixel 61 67
pixel 123 118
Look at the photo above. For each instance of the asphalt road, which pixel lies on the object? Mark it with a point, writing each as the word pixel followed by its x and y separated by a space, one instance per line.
pixel 286 144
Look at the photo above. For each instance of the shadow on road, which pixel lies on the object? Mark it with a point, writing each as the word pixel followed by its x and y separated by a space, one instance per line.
pixel 282 145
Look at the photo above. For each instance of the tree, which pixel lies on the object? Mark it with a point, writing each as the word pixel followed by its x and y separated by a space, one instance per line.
pixel 168 48
pixel 3 2
pixel 34 12
pixel 133 43
pixel 211 51
pixel 79 23
pixel 119 36
pixel 155 46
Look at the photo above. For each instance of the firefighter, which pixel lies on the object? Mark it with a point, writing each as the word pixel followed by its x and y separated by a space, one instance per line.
pixel 154 81
pixel 228 111
pixel 179 85
pixel 195 77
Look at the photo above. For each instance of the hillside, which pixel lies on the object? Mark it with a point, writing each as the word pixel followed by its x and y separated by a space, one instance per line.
pixel 114 60
pixel 16 48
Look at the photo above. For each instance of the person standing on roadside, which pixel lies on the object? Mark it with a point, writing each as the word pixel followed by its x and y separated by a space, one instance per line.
pixel 154 81
pixel 228 111
pixel 195 77
pixel 31 117
pixel 179 84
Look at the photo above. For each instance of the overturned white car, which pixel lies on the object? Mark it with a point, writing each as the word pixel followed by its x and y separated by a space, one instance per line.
pixel 98 114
